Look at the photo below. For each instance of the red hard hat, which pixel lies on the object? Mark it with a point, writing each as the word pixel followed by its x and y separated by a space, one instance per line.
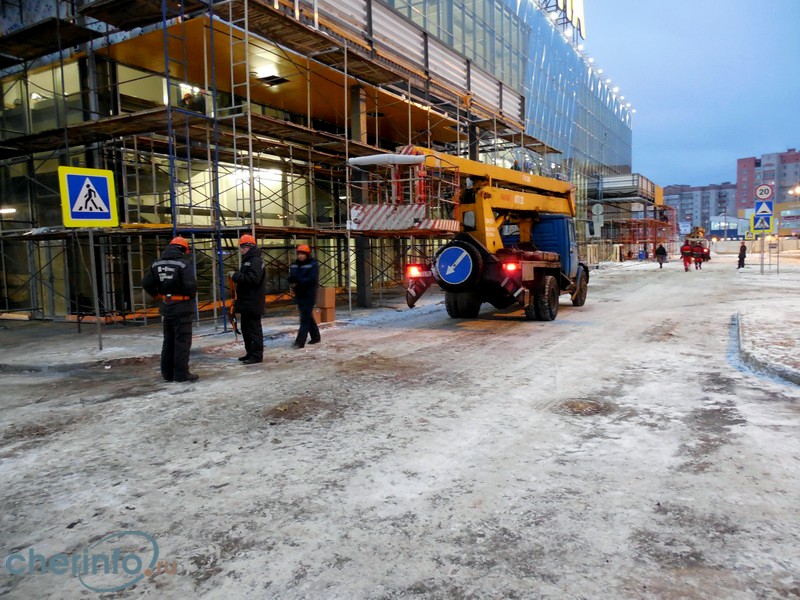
pixel 247 239
pixel 179 241
pixel 304 248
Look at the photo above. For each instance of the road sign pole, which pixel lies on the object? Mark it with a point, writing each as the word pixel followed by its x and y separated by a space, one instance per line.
pixel 762 253
pixel 94 290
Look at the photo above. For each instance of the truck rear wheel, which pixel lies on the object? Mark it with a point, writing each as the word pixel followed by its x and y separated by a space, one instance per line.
pixel 581 289
pixel 469 305
pixel 451 305
pixel 546 302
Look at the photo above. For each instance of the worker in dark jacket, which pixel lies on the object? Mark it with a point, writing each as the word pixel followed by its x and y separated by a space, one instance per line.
pixel 742 255
pixel 251 291
pixel 172 280
pixel 304 280
pixel 661 255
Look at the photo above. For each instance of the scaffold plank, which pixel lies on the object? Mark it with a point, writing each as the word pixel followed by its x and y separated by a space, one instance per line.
pixel 148 121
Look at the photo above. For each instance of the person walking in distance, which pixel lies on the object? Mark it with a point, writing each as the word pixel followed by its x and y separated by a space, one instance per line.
pixel 697 254
pixel 251 292
pixel 686 254
pixel 172 281
pixel 304 280
pixel 742 255
pixel 661 255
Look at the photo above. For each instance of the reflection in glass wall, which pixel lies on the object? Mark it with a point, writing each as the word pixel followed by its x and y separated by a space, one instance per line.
pixel 48 99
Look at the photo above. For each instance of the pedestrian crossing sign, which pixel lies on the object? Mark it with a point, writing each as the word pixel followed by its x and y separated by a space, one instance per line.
pixel 88 197
pixel 761 224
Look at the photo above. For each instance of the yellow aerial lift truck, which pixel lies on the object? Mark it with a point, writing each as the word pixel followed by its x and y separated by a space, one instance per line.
pixel 516 244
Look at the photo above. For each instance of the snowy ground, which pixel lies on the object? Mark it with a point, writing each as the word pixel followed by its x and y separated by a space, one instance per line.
pixel 621 451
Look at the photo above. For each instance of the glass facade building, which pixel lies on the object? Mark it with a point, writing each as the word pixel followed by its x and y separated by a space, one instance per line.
pixel 569 106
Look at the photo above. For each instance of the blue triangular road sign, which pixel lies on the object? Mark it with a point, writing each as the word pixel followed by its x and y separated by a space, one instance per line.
pixel 88 197
pixel 762 223
pixel 764 208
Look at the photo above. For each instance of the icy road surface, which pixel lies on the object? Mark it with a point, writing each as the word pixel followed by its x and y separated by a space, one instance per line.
pixel 621 451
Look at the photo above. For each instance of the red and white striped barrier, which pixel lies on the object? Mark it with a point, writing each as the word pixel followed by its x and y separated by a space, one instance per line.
pixel 393 217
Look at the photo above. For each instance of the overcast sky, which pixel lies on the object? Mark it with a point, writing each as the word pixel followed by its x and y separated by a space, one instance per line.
pixel 711 80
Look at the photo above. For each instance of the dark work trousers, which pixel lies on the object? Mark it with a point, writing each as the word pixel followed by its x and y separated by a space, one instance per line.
pixel 741 262
pixel 307 324
pixel 176 347
pixel 253 335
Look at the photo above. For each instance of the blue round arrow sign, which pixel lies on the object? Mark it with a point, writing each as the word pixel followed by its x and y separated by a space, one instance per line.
pixel 454 265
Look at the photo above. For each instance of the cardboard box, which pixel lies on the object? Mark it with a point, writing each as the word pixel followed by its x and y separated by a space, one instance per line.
pixel 326 297
pixel 324 315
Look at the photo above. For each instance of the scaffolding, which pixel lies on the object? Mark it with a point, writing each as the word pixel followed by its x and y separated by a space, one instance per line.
pixel 219 119
pixel 629 219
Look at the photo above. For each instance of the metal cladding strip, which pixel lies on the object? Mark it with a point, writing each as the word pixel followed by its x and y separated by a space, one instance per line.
pixel 505 281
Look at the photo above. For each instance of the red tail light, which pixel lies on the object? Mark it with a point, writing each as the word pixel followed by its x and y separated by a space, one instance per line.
pixel 413 271
pixel 511 267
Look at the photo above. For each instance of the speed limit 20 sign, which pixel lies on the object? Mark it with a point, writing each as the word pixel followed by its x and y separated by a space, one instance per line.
pixel 764 192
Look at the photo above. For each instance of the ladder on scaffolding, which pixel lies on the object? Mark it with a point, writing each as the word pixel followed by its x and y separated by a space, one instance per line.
pixel 137 266
pixel 176 77
pixel 239 115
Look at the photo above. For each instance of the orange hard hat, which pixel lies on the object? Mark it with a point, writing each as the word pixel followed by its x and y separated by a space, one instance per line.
pixel 179 241
pixel 304 248
pixel 247 239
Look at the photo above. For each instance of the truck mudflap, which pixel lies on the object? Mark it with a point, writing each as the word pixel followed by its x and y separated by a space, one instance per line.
pixel 511 284
pixel 420 278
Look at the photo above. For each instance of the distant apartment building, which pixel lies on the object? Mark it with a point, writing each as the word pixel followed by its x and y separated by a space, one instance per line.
pixel 782 171
pixel 696 206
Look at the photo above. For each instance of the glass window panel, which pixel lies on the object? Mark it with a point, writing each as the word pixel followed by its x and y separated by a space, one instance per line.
pixel 43 105
pixel 139 90
pixel 15 113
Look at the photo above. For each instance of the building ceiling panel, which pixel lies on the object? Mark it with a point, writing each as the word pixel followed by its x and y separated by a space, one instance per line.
pixel 44 38
pixel 137 13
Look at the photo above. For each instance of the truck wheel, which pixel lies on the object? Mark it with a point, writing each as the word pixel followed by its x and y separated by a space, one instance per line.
pixel 469 305
pixel 451 305
pixel 579 297
pixel 546 302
